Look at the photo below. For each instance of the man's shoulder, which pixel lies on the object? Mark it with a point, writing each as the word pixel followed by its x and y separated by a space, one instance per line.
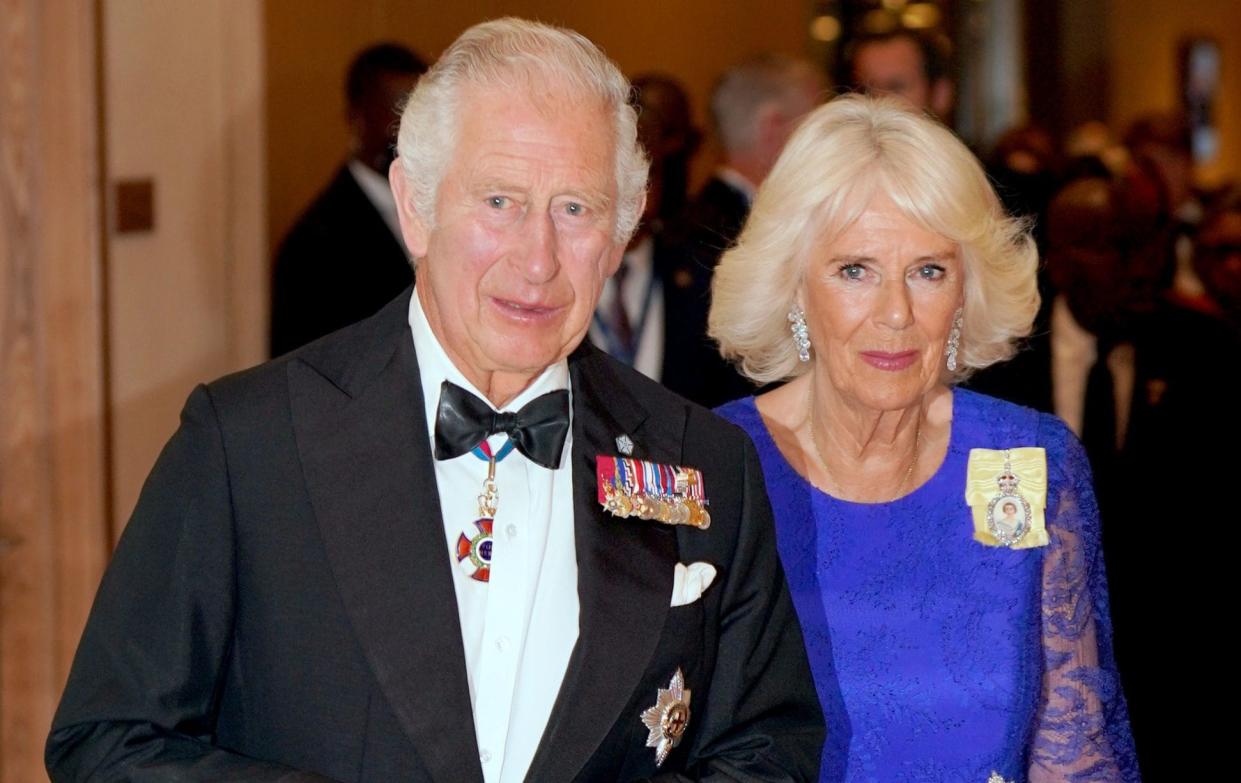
pixel 699 423
pixel 334 210
pixel 342 358
pixel 720 200
pixel 713 219
pixel 340 191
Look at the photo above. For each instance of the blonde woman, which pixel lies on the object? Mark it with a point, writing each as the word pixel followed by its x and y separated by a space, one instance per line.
pixel 877 270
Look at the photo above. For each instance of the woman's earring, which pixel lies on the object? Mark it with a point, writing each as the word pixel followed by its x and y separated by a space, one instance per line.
pixel 801 335
pixel 954 340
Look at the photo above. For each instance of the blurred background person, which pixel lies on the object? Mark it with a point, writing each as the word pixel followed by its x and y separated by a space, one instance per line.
pixel 1025 170
pixel 1110 257
pixel 1091 149
pixel 1161 142
pixel 666 125
pixel 1170 541
pixel 755 106
pixel 344 259
pixel 629 320
pixel 877 270
pixel 907 64
pixel 1108 253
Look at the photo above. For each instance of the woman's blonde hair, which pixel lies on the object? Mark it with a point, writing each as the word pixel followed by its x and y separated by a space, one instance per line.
pixel 841 156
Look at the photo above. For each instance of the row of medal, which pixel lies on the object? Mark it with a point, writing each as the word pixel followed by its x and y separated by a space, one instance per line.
pixel 648 490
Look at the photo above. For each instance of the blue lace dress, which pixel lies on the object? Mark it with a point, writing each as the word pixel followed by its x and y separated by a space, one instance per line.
pixel 938 658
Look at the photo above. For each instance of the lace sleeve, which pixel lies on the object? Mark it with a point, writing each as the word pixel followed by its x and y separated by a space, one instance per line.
pixel 1082 733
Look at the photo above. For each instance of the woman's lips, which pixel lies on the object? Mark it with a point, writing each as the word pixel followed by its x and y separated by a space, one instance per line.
pixel 892 362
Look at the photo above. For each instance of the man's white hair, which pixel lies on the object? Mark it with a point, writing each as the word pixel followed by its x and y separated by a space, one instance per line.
pixel 529 60
pixel 747 88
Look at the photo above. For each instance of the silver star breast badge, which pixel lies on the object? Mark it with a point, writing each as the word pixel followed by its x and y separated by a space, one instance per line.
pixel 668 719
pixel 624 445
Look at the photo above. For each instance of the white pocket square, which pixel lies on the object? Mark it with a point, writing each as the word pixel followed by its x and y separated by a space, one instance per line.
pixel 690 582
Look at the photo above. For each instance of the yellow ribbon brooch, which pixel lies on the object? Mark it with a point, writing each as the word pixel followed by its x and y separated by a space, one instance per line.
pixel 1006 490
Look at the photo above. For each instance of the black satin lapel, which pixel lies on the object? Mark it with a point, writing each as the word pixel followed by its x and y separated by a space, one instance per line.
pixel 371 480
pixel 625 569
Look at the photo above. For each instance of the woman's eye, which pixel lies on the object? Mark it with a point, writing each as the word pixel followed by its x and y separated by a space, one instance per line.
pixel 852 271
pixel 930 271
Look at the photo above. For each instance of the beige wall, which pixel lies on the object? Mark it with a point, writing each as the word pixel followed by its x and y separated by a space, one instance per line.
pixel 1144 36
pixel 187 301
pixel 53 519
pixel 309 47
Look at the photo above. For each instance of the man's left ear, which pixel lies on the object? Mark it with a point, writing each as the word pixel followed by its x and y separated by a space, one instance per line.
pixel 413 227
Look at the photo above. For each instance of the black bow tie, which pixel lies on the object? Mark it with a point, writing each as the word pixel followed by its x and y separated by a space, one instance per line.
pixel 538 430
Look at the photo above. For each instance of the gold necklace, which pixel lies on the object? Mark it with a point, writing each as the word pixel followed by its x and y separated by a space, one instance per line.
pixel 814 439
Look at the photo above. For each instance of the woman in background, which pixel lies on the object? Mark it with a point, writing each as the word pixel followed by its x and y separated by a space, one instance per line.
pixel 878 269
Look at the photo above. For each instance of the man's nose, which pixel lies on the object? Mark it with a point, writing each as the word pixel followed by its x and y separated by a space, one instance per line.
pixel 538 259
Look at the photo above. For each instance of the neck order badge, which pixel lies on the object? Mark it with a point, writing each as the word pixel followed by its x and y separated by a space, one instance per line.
pixel 474 552
pixel 464 422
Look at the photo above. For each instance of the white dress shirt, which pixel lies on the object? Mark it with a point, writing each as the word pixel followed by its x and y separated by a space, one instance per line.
pixel 519 628
pixel 640 282
pixel 377 190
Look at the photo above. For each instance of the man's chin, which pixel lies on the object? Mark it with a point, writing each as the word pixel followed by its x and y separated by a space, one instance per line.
pixel 525 357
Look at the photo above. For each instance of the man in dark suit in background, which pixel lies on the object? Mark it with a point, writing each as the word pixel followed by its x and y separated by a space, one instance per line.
pixel 344 259
pixel 755 106
pixel 450 542
pixel 666 128
pixel 630 317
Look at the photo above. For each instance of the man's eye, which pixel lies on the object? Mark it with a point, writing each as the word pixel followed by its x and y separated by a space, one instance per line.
pixel 498 202
pixel 574 208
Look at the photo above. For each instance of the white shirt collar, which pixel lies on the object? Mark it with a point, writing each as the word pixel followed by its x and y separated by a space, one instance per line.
pixel 640 257
pixel 737 181
pixel 518 629
pixel 435 367
pixel 377 191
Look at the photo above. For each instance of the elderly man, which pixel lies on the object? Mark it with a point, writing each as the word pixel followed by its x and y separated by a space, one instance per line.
pixel 450 543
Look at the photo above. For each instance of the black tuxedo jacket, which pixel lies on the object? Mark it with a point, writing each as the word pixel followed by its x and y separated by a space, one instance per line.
pixel 338 264
pixel 692 364
pixel 281 604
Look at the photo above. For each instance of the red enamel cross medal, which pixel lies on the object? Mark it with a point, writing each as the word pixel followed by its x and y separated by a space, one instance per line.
pixel 474 554
pixel 474 549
